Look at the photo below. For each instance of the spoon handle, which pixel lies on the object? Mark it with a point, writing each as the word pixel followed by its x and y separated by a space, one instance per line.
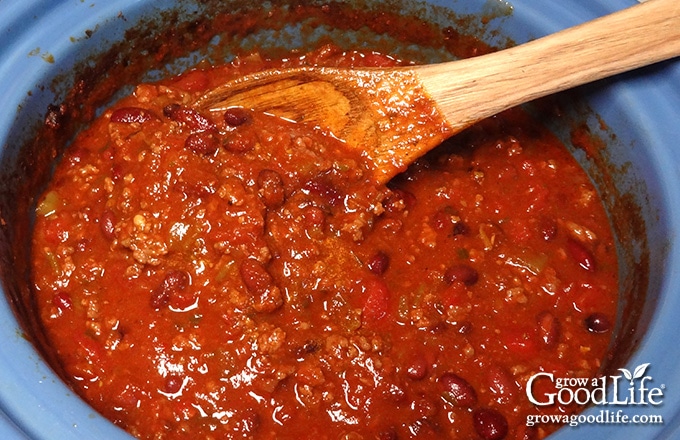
pixel 469 90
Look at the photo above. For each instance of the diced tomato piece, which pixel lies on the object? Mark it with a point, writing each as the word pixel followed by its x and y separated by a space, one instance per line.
pixel 56 231
pixel 518 230
pixel 581 255
pixel 376 306
pixel 127 398
pixel 377 60
pixel 182 300
pixel 454 294
pixel 589 298
pixel 193 81
pixel 540 195
pixel 521 342
pixel 89 350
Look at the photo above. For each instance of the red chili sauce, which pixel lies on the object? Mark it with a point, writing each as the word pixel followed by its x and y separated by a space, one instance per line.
pixel 236 275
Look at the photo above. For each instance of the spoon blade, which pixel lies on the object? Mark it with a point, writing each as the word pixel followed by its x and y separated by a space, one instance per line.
pixel 357 106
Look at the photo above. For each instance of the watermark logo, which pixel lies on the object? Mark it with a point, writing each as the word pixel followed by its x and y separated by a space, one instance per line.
pixel 631 388
pixel 605 390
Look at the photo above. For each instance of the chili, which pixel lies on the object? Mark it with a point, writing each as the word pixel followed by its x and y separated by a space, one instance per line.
pixel 237 275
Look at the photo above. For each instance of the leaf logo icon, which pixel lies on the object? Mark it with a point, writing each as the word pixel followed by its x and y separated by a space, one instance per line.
pixel 640 371
pixel 627 374
pixel 636 374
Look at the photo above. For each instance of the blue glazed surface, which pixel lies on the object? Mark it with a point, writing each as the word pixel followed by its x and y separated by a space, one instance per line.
pixel 642 108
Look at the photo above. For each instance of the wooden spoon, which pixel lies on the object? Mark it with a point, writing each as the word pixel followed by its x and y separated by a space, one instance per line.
pixel 395 115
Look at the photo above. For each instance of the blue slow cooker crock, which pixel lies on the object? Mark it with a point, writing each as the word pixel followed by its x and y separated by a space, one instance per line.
pixel 40 40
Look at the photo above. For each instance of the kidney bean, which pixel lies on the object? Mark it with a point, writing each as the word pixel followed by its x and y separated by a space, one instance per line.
pixel 490 424
pixel 266 295
pixel 581 255
pixel 548 228
pixel 324 189
pixel 457 390
pixel 549 329
pixel 62 301
pixel 270 188
pixel 462 273
pixel 417 368
pixel 174 282
pixel 107 224
pixel 129 115
pixel 378 263
pixel 173 384
pixel 202 142
pixel 255 277
pixel 501 384
pixel 236 116
pixel 194 120
pixel 597 323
